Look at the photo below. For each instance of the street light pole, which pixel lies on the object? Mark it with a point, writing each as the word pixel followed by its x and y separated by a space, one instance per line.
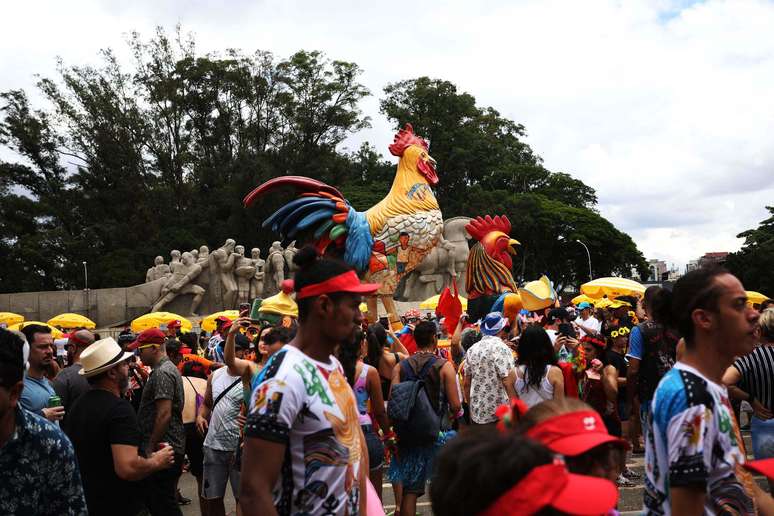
pixel 85 277
pixel 591 277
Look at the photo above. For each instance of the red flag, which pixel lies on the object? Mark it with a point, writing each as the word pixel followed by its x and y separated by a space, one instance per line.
pixel 449 307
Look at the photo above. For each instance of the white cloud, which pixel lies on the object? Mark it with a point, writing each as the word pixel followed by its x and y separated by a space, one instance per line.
pixel 664 107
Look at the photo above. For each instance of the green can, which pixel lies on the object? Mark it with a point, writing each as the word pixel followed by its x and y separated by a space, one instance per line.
pixel 54 401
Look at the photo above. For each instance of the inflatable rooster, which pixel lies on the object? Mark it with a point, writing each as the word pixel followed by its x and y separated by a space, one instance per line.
pixel 383 243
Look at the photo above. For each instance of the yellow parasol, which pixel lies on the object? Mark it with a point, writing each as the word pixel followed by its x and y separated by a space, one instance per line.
pixel 208 323
pixel 72 321
pixel 431 303
pixel 612 288
pixel 156 319
pixel 583 298
pixel 10 318
pixel 55 332
pixel 602 303
pixel 753 297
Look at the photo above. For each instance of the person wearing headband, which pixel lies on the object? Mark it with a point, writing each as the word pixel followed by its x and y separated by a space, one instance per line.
pixel 301 404
pixel 488 473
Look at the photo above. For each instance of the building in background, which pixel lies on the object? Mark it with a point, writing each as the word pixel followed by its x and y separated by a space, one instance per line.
pixel 717 258
pixel 657 271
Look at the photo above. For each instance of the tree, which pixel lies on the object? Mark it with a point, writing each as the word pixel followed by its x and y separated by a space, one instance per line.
pixel 754 262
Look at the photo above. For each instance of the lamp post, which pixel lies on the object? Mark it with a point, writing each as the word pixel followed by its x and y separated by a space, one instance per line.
pixel 588 254
pixel 85 277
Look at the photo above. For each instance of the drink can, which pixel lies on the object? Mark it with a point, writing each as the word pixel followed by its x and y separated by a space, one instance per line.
pixel 54 401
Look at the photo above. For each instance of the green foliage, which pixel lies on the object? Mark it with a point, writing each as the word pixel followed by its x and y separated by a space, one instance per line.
pixel 129 162
pixel 754 263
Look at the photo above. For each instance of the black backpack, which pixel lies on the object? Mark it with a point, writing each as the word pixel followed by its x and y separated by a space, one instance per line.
pixel 415 420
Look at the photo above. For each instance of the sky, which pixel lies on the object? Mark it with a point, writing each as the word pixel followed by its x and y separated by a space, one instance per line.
pixel 664 107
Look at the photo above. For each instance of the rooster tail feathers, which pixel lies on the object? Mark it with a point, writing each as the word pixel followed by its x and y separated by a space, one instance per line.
pixel 322 211
pixel 359 243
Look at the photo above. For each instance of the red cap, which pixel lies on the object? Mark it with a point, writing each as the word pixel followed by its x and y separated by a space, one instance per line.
pixel 574 433
pixel 222 318
pixel 175 323
pixel 149 336
pixel 346 282
pixel 551 485
pixel 764 467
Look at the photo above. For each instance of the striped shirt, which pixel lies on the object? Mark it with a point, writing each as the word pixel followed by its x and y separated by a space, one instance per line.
pixel 757 370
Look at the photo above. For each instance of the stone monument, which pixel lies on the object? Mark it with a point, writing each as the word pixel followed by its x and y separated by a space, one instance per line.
pixel 274 271
pixel 290 253
pixel 256 285
pixel 175 255
pixel 223 258
pixel 244 271
pixel 158 271
pixel 181 282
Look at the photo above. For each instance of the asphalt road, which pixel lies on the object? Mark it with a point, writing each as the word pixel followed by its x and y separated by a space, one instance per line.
pixel 630 501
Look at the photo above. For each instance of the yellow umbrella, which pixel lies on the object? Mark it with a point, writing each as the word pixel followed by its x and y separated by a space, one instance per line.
pixel 9 318
pixel 583 298
pixel 55 332
pixel 753 297
pixel 156 319
pixel 612 288
pixel 72 321
pixel 602 303
pixel 431 303
pixel 208 323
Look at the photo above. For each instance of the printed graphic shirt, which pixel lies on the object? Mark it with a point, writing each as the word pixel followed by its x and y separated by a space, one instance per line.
pixel 488 361
pixel 309 406
pixel 695 442
pixel 38 470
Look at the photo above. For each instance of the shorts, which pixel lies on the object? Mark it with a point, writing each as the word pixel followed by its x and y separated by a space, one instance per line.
pixel 193 449
pixel 413 466
pixel 219 469
pixel 375 448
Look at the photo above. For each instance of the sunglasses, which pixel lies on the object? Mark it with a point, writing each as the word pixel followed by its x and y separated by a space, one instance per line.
pixel 620 333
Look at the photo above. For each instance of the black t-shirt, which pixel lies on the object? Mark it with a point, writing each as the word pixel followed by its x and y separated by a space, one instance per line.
pixel 619 362
pixel 98 420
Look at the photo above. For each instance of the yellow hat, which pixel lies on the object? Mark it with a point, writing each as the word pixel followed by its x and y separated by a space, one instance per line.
pixel 537 295
pixel 281 304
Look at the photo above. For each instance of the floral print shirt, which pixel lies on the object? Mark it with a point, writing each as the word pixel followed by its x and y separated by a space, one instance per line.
pixel 487 362
pixel 38 471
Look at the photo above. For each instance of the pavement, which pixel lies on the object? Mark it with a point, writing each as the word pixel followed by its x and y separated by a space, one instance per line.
pixel 630 501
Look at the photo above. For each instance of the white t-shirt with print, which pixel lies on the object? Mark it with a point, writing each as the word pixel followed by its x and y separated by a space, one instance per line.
pixel 310 407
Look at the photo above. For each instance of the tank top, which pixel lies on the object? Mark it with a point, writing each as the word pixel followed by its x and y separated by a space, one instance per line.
pixel 530 394
pixel 361 395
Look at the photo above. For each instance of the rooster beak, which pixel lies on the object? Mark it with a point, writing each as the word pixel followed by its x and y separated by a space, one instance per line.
pixel 512 243
pixel 432 161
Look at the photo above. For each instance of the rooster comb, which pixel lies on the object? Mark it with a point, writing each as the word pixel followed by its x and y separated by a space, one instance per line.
pixel 405 138
pixel 480 226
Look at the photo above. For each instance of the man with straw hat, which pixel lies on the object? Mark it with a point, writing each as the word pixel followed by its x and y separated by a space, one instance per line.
pixel 103 429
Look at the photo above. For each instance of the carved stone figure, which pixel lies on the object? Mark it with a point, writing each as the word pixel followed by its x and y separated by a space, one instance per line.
pixel 175 254
pixel 444 265
pixel 195 254
pixel 274 271
pixel 289 253
pixel 224 259
pixel 244 270
pixel 256 285
pixel 181 282
pixel 158 271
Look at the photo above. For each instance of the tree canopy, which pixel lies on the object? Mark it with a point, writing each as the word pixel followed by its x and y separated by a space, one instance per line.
pixel 127 161
pixel 754 262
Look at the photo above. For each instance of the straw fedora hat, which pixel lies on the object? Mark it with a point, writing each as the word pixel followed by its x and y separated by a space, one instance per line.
pixel 101 356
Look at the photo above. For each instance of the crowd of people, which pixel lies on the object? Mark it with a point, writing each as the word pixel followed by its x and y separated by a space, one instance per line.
pixel 534 414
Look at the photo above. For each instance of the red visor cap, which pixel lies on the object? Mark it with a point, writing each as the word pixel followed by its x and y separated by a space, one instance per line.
pixel 574 433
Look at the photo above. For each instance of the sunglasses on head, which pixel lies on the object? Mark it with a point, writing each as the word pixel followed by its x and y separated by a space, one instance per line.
pixel 621 332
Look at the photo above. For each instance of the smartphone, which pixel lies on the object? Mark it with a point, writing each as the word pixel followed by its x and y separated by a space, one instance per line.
pixel 566 330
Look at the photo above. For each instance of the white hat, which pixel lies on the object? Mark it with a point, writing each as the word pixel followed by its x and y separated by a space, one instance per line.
pixel 101 356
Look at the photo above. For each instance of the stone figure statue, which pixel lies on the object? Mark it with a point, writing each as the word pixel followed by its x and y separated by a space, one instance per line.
pixel 445 264
pixel 256 285
pixel 203 260
pixel 181 282
pixel 158 271
pixel 289 253
pixel 224 259
pixel 195 254
pixel 244 271
pixel 274 271
pixel 175 254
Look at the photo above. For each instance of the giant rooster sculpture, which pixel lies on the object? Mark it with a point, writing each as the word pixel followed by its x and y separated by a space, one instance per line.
pixel 383 243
